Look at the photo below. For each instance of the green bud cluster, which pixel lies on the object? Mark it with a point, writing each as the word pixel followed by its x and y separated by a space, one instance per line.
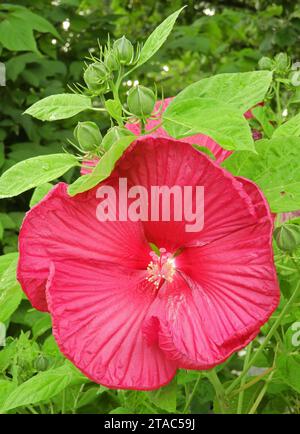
pixel 280 64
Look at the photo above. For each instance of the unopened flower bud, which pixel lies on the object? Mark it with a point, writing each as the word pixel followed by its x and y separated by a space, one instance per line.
pixel 281 61
pixel 265 63
pixel 123 49
pixel 88 135
pixel 111 61
pixel 141 101
pixel 113 135
pixel 287 237
pixel 41 363
pixel 95 76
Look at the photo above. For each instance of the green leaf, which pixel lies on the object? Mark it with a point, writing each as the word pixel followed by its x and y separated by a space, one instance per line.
pixel 17 35
pixel 16 31
pixel 61 106
pixel 103 168
pixel 165 397
pixel 288 128
pixel 34 172
pixel 6 387
pixel 157 38
pixel 114 108
pixel 275 168
pixel 205 151
pixel 208 116
pixel 261 115
pixel 41 326
pixel 10 291
pixel 39 193
pixel 288 369
pixel 241 90
pixel 17 64
pixel 1 231
pixel 43 386
pixel 36 22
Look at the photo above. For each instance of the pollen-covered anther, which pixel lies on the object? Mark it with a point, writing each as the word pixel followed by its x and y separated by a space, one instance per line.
pixel 161 268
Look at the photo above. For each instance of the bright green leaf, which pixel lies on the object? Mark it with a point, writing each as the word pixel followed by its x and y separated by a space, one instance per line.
pixel 34 172
pixel 10 291
pixel 288 128
pixel 114 108
pixel 103 168
pixel 275 168
pixel 157 38
pixel 43 386
pixel 241 90
pixel 39 193
pixel 6 387
pixel 221 122
pixel 61 106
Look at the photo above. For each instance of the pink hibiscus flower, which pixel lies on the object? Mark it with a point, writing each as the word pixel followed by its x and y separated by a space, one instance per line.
pixel 128 318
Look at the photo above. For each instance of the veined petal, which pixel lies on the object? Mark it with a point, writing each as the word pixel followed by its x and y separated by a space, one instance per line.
pixel 167 164
pixel 61 227
pixel 97 312
pixel 228 289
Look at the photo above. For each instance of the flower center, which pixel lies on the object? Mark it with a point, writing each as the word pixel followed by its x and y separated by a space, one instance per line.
pixel 161 268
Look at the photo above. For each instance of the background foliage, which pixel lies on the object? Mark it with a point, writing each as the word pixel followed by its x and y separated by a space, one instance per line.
pixel 43 44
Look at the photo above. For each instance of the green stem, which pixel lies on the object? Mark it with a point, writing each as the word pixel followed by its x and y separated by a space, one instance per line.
pixel 241 394
pixel 77 399
pixel 115 90
pixel 143 129
pixel 33 411
pixel 252 382
pixel 261 395
pixel 278 103
pixel 98 109
pixel 266 340
pixel 219 389
pixel 191 396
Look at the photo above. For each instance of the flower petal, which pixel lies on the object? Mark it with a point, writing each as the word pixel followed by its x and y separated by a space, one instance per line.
pixel 168 163
pixel 228 290
pixel 61 227
pixel 98 311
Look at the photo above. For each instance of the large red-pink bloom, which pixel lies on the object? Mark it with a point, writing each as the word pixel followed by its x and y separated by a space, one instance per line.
pixel 114 316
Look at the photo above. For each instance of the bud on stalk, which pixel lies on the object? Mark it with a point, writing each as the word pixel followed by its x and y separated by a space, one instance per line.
pixel 141 101
pixel 123 49
pixel 95 76
pixel 88 136
pixel 287 237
